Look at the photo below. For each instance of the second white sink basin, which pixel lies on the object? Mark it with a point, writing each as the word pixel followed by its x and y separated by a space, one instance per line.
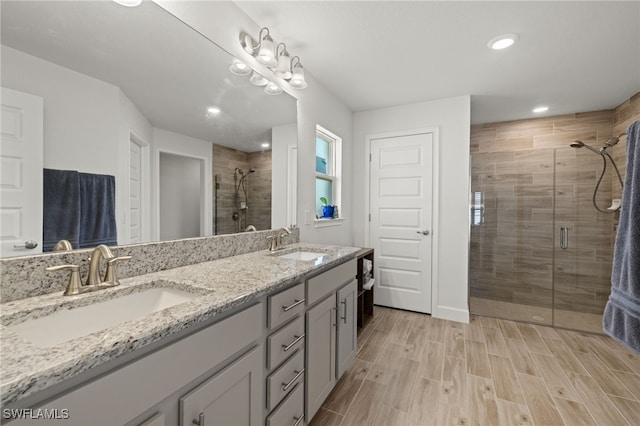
pixel 302 255
pixel 70 324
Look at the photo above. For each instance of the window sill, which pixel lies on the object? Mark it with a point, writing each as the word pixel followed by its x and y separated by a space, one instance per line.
pixel 324 223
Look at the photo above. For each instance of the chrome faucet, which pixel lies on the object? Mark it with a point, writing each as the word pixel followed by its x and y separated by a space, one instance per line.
pixel 94 282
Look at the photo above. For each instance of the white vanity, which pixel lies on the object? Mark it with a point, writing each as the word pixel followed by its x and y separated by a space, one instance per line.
pixel 263 342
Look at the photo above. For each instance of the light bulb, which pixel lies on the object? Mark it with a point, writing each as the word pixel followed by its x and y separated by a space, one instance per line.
pixel 272 89
pixel 239 68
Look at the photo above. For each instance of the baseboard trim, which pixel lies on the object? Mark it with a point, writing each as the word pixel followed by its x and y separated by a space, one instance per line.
pixel 451 314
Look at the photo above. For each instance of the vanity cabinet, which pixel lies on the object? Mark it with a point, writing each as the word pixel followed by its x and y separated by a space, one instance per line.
pixel 231 397
pixel 347 342
pixel 330 347
pixel 137 387
pixel 286 357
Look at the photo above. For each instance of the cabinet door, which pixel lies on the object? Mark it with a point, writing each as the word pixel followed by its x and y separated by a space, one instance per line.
pixel 232 397
pixel 320 372
pixel 347 335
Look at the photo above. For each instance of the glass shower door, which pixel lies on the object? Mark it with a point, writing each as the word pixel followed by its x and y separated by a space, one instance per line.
pixel 583 241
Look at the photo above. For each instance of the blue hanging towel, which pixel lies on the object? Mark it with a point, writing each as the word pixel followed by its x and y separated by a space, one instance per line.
pixel 97 210
pixel 622 314
pixel 60 208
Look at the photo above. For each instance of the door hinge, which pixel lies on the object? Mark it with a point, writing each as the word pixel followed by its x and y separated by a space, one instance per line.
pixel 369 157
pixel 369 217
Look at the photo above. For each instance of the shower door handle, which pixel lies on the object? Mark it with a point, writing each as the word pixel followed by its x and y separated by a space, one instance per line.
pixel 564 237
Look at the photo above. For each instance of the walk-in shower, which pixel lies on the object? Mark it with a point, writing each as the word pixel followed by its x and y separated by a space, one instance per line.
pixel 240 199
pixel 540 252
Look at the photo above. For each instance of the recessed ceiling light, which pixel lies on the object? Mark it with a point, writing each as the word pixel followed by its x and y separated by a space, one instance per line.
pixel 265 145
pixel 213 110
pixel 502 41
pixel 541 108
pixel 129 3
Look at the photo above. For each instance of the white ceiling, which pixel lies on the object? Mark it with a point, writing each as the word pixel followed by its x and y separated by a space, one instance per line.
pixel 572 56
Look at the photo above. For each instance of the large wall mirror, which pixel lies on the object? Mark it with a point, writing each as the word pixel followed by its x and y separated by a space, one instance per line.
pixel 137 94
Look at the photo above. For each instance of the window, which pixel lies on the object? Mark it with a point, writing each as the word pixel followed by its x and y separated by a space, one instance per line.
pixel 328 169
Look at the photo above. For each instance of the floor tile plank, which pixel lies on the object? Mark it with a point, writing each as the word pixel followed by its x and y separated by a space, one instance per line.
pixel 541 405
pixel 505 380
pixel 477 360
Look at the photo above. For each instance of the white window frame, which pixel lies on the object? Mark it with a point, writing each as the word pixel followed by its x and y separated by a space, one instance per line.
pixel 335 166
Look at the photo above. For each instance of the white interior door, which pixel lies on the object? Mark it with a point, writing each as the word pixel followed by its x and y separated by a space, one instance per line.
pixel 21 174
pixel 135 192
pixel 401 217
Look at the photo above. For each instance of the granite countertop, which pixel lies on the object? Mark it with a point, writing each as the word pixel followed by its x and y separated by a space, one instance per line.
pixel 220 285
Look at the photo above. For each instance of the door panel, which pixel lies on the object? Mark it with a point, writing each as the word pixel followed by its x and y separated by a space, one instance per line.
pixel 21 173
pixel 401 216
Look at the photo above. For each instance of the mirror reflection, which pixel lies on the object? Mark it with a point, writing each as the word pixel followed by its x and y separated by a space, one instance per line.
pixel 136 95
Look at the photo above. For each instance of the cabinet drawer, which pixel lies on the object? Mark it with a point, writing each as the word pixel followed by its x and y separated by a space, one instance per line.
pixel 285 342
pixel 323 284
pixel 291 411
pixel 286 305
pixel 284 379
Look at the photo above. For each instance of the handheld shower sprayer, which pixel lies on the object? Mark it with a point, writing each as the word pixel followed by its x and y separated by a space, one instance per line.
pixel 604 154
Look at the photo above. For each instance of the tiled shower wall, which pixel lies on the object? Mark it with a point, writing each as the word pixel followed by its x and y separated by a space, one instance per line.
pixel 258 186
pixel 514 165
pixel 514 255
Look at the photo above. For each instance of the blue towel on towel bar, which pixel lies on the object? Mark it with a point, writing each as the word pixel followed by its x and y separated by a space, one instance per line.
pixel 60 208
pixel 622 314
pixel 97 210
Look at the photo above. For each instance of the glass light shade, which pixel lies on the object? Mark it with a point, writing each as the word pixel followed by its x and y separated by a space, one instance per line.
pixel 283 68
pixel 239 68
pixel 266 55
pixel 297 80
pixel 272 89
pixel 257 80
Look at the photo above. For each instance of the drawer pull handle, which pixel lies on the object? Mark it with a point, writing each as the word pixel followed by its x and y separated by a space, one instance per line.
pixel 298 420
pixel 285 348
pixel 200 421
pixel 286 386
pixel 296 303
pixel 344 318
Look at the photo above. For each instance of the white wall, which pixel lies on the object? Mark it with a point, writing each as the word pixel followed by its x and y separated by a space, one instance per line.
pixel 452 118
pixel 223 22
pixel 80 112
pixel 179 197
pixel 174 143
pixel 282 137
pixel 86 121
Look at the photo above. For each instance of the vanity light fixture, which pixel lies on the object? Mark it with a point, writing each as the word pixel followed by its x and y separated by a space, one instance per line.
pixel 239 68
pixel 278 60
pixel 283 67
pixel 503 41
pixel 262 49
pixel 258 80
pixel 272 89
pixel 129 3
pixel 541 108
pixel 297 79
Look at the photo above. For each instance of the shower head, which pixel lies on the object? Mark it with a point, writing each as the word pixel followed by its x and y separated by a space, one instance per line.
pixel 580 144
pixel 252 170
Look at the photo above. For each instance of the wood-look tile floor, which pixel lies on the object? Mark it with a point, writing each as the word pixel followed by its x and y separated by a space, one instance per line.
pixel 412 369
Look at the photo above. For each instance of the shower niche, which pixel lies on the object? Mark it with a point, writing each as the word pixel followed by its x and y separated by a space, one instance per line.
pixel 540 251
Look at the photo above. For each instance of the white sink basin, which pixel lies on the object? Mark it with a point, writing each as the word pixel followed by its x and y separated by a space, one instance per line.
pixel 70 324
pixel 302 255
